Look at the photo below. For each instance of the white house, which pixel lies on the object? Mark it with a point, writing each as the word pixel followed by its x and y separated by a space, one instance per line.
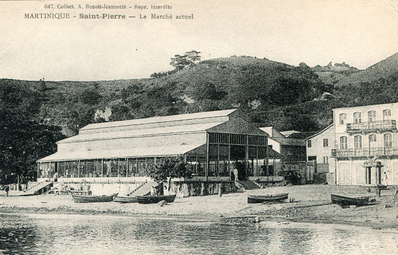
pixel 366 149
pixel 319 148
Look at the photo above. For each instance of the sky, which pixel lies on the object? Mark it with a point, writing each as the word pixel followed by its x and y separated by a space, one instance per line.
pixel 357 32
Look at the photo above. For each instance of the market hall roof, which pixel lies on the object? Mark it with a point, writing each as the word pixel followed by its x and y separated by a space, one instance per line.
pixel 140 132
pixel 214 121
pixel 174 120
pixel 172 150
pixel 156 136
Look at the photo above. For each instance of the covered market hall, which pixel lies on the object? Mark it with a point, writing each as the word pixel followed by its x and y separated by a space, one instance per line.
pixel 212 143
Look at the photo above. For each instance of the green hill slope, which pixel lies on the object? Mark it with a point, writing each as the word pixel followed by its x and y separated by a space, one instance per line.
pixel 246 82
pixel 272 93
pixel 383 69
pixel 241 80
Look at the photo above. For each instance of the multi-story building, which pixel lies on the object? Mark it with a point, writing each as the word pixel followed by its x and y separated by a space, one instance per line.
pixel 319 162
pixel 366 150
pixel 291 150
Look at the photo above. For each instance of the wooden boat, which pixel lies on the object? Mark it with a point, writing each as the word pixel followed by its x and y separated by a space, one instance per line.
pixel 155 199
pixel 125 199
pixel 93 199
pixel 266 198
pixel 344 200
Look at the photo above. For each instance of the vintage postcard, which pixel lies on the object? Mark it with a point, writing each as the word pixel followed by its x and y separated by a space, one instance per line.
pixel 198 127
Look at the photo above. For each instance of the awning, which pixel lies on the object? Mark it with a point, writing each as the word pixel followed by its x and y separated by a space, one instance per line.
pixel 163 151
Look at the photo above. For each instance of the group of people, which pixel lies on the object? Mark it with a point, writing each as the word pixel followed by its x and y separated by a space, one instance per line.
pixel 293 177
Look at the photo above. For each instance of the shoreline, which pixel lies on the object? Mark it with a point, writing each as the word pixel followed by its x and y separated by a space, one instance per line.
pixel 229 220
pixel 311 204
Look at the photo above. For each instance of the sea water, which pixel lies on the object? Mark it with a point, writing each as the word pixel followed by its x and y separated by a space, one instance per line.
pixel 87 234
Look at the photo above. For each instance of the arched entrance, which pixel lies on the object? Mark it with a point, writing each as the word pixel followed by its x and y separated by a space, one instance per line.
pixel 373 171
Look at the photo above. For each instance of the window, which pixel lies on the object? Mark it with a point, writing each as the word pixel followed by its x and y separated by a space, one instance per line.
pixel 325 142
pixel 326 160
pixel 311 158
pixel 371 116
pixel 237 139
pixel 357 117
pixel 372 138
pixel 309 144
pixel 357 141
pixel 342 118
pixel 343 142
pixel 387 140
pixel 386 114
pixel 372 143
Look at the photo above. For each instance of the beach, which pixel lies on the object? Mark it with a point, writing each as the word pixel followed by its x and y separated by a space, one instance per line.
pixel 306 203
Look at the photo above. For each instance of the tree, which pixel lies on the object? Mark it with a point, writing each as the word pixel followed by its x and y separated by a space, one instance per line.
pixel 90 97
pixel 169 168
pixel 23 142
pixel 188 59
pixel 121 112
pixel 206 90
pixel 193 55
pixel 286 91
pixel 22 139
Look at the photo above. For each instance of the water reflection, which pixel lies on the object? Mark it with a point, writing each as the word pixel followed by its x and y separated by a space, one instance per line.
pixel 70 234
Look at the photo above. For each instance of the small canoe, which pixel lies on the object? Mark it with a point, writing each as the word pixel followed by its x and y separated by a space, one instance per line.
pixel 155 199
pixel 344 200
pixel 126 199
pixel 93 199
pixel 266 198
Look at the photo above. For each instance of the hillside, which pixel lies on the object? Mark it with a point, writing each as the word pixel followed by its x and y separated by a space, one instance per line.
pixel 271 93
pixel 383 69
pixel 246 82
pixel 240 80
pixel 330 77
pixel 331 74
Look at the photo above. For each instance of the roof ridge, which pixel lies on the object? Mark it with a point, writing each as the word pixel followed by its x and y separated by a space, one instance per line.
pixel 155 119
pixel 319 132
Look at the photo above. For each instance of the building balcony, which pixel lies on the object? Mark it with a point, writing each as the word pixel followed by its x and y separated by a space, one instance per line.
pixel 365 152
pixel 369 127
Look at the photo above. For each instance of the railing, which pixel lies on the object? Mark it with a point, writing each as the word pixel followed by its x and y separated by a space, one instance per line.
pixel 385 125
pixel 363 152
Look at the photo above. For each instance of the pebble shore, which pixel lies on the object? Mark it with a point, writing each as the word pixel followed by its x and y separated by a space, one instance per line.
pixel 306 203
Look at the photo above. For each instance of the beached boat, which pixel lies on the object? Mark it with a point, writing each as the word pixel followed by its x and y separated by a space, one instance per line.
pixel 126 199
pixel 344 200
pixel 93 199
pixel 266 198
pixel 155 199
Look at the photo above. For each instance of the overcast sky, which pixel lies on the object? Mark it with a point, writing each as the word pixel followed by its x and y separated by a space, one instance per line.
pixel 358 32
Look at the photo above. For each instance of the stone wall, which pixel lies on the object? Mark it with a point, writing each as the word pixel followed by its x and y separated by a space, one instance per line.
pixel 198 188
pixel 104 188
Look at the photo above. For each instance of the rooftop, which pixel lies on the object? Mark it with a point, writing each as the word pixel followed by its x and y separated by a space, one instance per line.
pixel 159 119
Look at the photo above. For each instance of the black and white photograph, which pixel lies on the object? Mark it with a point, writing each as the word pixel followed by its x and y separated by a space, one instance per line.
pixel 198 127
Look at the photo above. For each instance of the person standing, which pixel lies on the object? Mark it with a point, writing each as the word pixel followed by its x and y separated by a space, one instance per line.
pixel 232 174
pixel 154 191
pixel 7 189
pixel 236 173
pixel 55 176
